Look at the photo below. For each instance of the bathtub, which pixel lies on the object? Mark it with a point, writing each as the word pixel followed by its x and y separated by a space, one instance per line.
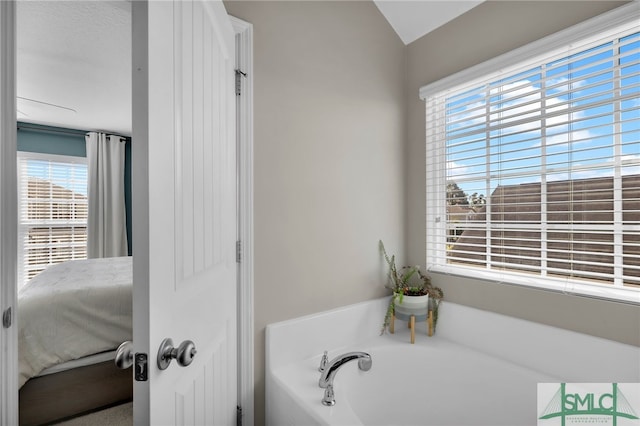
pixel 480 368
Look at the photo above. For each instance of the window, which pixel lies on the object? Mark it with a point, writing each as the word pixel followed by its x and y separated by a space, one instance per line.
pixel 52 215
pixel 533 169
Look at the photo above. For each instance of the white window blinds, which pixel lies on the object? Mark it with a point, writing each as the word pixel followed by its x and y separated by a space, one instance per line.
pixel 534 170
pixel 52 216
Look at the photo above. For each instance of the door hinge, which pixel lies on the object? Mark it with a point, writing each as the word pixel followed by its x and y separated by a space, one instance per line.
pixel 6 317
pixel 239 75
pixel 238 415
pixel 238 251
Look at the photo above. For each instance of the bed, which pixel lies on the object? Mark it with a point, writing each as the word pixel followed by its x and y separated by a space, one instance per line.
pixel 71 318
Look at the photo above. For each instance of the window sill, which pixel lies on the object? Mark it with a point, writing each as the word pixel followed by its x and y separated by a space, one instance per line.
pixel 626 295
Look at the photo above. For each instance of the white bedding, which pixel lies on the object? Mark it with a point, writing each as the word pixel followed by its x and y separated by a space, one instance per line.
pixel 72 310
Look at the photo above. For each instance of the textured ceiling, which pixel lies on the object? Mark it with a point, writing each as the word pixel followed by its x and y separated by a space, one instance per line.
pixel 77 56
pixel 74 57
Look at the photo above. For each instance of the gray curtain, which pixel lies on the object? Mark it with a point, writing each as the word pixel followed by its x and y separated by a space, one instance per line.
pixel 107 223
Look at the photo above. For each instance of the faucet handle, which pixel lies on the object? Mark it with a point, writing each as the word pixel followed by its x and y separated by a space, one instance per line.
pixel 323 362
pixel 329 398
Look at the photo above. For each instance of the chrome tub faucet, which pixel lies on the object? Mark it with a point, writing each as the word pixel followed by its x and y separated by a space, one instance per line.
pixel 330 370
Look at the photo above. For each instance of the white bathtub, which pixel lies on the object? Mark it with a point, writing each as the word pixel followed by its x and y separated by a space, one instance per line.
pixel 480 368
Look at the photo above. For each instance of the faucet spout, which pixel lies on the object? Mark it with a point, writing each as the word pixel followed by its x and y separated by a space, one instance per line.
pixel 330 371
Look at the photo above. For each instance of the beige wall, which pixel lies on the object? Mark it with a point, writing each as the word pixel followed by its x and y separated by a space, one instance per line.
pixel 329 152
pixel 339 156
pixel 486 31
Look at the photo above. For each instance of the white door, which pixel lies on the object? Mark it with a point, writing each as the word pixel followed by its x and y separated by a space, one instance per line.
pixel 184 210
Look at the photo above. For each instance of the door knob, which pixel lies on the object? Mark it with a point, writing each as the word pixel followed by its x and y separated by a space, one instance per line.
pixel 183 354
pixel 124 355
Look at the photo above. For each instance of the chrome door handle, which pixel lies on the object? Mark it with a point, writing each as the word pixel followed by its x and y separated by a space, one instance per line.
pixel 183 354
pixel 124 355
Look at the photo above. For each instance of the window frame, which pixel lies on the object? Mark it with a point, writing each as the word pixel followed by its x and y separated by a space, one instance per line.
pixel 23 227
pixel 586 34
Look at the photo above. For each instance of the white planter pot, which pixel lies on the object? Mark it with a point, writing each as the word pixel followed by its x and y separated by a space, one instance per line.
pixel 412 305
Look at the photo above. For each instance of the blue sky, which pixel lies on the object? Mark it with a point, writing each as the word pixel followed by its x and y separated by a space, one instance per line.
pixel 578 144
pixel 73 178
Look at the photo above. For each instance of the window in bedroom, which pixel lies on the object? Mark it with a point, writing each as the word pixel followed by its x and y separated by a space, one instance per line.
pixel 52 215
pixel 533 171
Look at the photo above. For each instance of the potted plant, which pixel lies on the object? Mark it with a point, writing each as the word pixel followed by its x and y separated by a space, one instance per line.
pixel 413 292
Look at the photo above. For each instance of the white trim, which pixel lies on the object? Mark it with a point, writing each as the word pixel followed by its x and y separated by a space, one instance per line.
pixel 629 13
pixel 140 197
pixel 558 285
pixel 62 158
pixel 8 215
pixel 244 62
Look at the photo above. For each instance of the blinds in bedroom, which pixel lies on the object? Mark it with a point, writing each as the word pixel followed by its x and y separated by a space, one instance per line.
pixel 52 215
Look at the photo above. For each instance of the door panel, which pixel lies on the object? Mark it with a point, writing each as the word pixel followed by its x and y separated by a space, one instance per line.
pixel 188 282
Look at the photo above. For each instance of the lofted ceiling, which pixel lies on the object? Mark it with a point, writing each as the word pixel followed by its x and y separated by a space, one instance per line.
pixel 74 57
pixel 411 19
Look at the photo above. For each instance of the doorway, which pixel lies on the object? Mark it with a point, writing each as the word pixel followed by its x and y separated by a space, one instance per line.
pixel 9 400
